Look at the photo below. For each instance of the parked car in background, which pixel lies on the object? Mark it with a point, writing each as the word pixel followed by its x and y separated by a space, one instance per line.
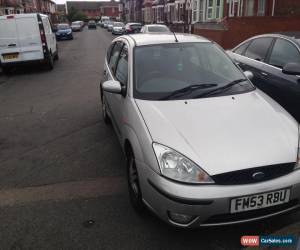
pixel 17 47
pixel 204 147
pixel 76 26
pixel 110 26
pixel 274 60
pixel 131 28
pixel 105 24
pixel 64 32
pixel 103 20
pixel 118 28
pixel 92 25
pixel 155 28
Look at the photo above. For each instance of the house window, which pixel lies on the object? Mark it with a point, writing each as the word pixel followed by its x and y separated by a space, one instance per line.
pixel 261 7
pixel 195 11
pixel 210 7
pixel 218 9
pixel 250 8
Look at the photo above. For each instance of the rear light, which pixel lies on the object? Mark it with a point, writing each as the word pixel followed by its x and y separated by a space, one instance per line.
pixel 10 17
pixel 43 37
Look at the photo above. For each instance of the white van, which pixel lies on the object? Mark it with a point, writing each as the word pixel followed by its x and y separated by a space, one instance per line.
pixel 26 38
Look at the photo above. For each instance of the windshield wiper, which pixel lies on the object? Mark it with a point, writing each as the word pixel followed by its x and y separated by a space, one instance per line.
pixel 185 90
pixel 222 89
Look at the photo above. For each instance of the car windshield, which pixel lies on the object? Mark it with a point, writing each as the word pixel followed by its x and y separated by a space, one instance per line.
pixel 63 26
pixel 118 24
pixel 135 26
pixel 171 67
pixel 157 29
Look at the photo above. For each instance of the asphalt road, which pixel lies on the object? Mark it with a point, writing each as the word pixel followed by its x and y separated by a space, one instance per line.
pixel 62 172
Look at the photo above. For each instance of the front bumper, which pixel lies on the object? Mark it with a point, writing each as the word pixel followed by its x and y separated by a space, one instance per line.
pixel 210 204
pixel 117 32
pixel 64 36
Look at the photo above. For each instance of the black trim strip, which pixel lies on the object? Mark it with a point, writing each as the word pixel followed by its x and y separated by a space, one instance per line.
pixel 178 199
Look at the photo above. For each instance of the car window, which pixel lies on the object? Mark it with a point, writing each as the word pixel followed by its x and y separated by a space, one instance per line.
pixel 170 67
pixel 115 55
pixel 109 52
pixel 258 48
pixel 241 49
pixel 122 66
pixel 158 29
pixel 284 52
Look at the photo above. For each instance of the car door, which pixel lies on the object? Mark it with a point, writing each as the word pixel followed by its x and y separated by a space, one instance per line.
pixel 287 87
pixel 253 58
pixel 50 36
pixel 117 68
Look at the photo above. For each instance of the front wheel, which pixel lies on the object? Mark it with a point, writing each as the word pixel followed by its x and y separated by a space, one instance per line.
pixel 134 189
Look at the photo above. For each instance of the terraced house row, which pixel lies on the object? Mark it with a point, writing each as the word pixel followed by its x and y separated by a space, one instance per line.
pixel 8 7
pixel 225 21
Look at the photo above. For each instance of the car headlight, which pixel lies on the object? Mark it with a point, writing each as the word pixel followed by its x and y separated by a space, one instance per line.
pixel 177 167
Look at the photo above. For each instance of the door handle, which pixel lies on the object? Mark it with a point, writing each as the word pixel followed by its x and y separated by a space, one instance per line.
pixel 264 73
pixel 12 45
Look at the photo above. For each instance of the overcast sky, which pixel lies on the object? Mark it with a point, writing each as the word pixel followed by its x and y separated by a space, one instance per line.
pixel 64 1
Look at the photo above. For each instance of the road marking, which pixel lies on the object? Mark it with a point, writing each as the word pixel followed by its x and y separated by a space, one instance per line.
pixel 102 186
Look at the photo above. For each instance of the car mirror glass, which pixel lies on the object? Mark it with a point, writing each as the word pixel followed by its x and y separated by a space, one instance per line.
pixel 249 74
pixel 112 86
pixel 291 69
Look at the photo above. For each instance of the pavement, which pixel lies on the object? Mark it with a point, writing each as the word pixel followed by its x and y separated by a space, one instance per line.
pixel 62 171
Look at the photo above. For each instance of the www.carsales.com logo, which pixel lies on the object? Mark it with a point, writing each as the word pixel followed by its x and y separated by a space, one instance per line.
pixel 255 241
pixel 250 241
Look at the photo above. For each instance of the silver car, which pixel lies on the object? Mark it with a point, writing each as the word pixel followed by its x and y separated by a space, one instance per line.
pixel 204 147
pixel 155 28
pixel 118 28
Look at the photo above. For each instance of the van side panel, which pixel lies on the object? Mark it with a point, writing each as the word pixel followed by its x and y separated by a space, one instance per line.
pixel 29 38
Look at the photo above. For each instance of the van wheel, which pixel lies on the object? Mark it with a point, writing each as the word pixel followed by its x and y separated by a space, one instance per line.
pixel 134 189
pixel 6 70
pixel 50 62
pixel 56 57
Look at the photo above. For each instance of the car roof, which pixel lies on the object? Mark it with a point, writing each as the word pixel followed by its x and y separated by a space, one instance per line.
pixel 134 23
pixel 151 39
pixel 154 25
pixel 23 15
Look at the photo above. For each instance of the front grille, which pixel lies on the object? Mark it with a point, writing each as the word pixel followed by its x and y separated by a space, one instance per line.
pixel 227 218
pixel 245 176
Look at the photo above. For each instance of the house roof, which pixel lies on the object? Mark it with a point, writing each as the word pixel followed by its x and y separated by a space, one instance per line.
pixel 88 5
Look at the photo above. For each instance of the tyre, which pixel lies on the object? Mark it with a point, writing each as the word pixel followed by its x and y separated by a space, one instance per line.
pixel 6 70
pixel 50 61
pixel 56 57
pixel 135 194
pixel 105 116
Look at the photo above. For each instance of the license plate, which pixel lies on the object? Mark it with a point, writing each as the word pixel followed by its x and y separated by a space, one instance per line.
pixel 258 201
pixel 10 56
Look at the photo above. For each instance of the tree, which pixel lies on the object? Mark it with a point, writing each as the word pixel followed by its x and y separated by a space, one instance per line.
pixel 75 15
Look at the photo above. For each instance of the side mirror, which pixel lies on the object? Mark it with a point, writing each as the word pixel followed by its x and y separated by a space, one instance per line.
pixel 249 74
pixel 291 69
pixel 112 87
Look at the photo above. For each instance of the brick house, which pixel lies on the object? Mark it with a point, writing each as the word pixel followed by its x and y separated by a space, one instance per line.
pixel 94 10
pixel 233 21
pixel 8 7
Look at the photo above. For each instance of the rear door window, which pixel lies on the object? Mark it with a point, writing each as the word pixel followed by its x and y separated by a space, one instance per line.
pixel 258 49
pixel 8 32
pixel 28 31
pixel 284 52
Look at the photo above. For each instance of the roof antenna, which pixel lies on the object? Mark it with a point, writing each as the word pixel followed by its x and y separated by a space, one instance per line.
pixel 176 40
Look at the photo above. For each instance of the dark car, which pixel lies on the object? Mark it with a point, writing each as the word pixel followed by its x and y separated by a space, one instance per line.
pixel 131 28
pixel 92 25
pixel 274 60
pixel 63 32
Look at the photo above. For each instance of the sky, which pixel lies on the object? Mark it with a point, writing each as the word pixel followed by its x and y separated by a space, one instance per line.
pixel 64 1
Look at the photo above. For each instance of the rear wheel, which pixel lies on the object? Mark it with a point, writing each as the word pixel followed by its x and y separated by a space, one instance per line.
pixel 135 193
pixel 50 61
pixel 6 70
pixel 56 57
